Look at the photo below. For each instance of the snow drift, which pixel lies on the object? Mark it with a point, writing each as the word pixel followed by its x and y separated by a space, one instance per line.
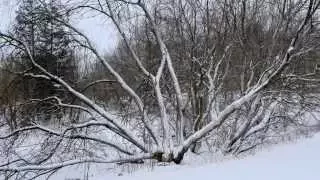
pixel 291 161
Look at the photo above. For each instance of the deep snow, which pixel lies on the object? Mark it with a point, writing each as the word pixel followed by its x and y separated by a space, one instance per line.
pixel 300 161
pixel 295 161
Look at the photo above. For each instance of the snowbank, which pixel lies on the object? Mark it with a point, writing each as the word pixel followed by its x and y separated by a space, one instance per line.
pixel 292 161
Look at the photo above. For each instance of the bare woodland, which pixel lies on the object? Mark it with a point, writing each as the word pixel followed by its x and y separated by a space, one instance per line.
pixel 220 75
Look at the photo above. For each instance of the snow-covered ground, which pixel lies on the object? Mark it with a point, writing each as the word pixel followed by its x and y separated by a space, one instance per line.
pixel 296 161
pixel 292 161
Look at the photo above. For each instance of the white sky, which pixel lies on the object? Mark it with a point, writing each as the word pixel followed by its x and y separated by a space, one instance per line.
pixel 102 33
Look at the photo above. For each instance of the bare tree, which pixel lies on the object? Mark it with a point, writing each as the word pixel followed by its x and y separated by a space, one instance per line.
pixel 238 40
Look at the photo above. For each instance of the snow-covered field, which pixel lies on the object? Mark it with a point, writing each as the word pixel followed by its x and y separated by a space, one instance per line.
pixel 299 161
pixel 296 161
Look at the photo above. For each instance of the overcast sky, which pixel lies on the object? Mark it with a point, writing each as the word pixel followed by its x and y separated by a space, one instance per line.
pixel 102 33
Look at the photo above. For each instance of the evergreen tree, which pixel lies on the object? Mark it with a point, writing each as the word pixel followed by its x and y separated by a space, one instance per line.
pixel 49 43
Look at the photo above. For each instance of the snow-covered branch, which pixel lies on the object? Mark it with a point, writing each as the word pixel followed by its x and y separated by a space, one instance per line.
pixel 74 162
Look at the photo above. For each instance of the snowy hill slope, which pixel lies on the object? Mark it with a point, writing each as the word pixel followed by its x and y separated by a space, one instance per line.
pixel 292 161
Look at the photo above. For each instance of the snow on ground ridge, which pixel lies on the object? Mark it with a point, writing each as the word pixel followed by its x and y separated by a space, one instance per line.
pixel 291 161
pixel 295 161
